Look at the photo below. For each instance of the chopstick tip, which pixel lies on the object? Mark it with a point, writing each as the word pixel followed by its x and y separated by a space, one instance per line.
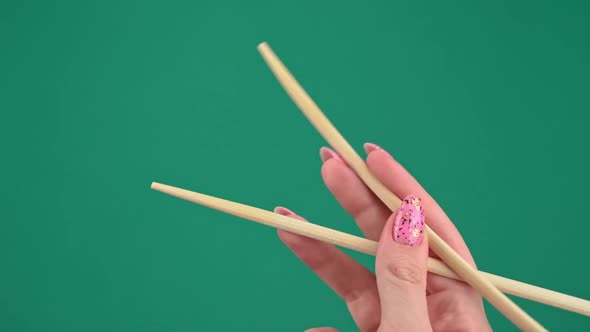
pixel 262 44
pixel 262 47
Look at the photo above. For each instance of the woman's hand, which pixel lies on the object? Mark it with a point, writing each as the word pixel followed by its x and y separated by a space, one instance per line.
pixel 401 296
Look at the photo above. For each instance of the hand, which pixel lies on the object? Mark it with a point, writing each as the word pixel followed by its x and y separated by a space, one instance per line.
pixel 401 296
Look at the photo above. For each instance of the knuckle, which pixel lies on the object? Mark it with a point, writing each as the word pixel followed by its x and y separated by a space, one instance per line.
pixel 405 270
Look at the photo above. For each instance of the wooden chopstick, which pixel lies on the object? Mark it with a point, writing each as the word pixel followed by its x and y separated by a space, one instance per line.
pixel 344 240
pixel 468 273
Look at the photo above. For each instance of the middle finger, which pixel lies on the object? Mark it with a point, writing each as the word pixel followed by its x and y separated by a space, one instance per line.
pixel 353 195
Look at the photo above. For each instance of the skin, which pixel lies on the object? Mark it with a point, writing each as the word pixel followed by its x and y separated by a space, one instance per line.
pixel 401 296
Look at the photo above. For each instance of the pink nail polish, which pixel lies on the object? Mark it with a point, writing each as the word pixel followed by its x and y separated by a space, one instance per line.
pixel 370 147
pixel 283 211
pixel 327 154
pixel 409 222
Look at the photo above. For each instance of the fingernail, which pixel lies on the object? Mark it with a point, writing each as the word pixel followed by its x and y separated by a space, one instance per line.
pixel 409 222
pixel 283 211
pixel 327 154
pixel 370 147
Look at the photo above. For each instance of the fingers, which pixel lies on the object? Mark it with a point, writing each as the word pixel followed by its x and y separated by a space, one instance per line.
pixel 401 183
pixel 354 283
pixel 370 213
pixel 401 267
pixel 349 190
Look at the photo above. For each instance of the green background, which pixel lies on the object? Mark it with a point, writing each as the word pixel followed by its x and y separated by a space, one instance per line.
pixel 486 104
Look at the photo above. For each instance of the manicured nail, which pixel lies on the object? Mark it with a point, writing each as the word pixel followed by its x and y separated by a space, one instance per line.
pixel 408 227
pixel 370 147
pixel 283 211
pixel 327 154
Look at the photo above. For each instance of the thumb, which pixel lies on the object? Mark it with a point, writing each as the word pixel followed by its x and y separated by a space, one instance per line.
pixel 322 329
pixel 401 267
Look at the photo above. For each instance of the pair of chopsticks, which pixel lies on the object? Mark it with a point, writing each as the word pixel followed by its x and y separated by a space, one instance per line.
pixel 365 246
pixel 487 284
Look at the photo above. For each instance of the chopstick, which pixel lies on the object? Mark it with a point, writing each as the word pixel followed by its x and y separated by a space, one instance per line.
pixel 468 273
pixel 359 244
